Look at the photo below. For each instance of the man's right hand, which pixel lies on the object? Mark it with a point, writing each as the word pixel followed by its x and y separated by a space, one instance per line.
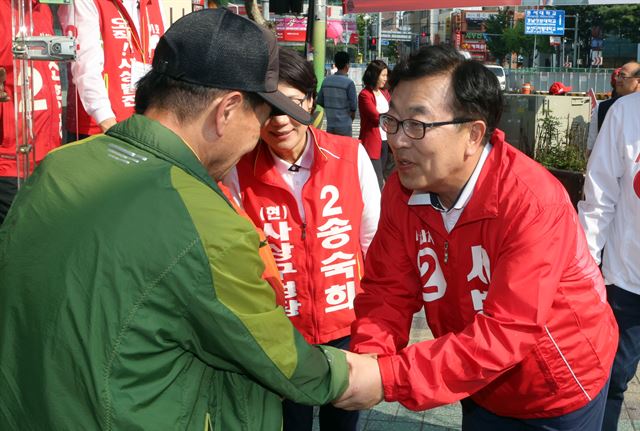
pixel 365 383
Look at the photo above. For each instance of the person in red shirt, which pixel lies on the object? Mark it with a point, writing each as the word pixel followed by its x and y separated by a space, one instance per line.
pixel 47 104
pixel 488 242
pixel 373 100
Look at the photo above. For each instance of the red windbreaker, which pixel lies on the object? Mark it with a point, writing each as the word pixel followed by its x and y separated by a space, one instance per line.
pixel 515 301
pixel 47 93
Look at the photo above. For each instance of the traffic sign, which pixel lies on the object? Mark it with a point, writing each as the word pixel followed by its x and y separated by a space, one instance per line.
pixel 384 42
pixel 405 36
pixel 549 22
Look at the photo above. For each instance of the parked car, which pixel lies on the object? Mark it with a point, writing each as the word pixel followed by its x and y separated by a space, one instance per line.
pixel 499 72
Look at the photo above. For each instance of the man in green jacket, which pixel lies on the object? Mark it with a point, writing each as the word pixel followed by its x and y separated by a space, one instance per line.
pixel 131 295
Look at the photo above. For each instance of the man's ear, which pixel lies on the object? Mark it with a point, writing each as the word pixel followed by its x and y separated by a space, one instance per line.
pixel 227 106
pixel 477 131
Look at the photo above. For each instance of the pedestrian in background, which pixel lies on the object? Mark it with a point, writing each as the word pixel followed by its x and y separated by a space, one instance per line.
pixel 625 80
pixel 610 215
pixel 116 41
pixel 314 194
pixel 373 101
pixel 338 97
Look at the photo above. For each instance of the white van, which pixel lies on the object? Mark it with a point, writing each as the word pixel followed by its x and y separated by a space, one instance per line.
pixel 499 72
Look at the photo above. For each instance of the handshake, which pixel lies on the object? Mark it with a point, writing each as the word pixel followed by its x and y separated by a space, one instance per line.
pixel 365 383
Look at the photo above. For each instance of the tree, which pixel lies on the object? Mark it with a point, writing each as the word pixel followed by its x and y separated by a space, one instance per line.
pixel 495 30
pixel 505 38
pixel 621 21
pixel 251 6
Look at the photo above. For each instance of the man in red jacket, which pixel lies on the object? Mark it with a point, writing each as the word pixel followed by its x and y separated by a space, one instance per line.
pixel 488 242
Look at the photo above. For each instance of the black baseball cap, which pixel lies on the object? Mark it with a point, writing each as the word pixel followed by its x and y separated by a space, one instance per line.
pixel 217 48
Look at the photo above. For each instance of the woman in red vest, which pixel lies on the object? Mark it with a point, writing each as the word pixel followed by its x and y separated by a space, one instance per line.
pixel 314 196
pixel 373 101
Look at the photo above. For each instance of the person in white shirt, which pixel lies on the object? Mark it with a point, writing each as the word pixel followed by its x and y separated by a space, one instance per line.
pixel 610 216
pixel 624 82
pixel 116 40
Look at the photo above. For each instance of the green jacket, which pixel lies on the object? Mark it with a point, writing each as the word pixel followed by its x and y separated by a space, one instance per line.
pixel 131 298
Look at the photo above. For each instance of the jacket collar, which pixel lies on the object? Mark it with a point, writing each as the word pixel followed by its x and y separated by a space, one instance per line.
pixel 484 201
pixel 151 136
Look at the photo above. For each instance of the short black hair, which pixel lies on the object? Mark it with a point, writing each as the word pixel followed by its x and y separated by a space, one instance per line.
pixel 185 100
pixel 298 72
pixel 341 59
pixel 372 73
pixel 476 89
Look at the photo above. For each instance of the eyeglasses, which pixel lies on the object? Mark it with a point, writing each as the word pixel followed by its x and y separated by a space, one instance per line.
pixel 414 129
pixel 299 102
pixel 621 76
pixel 275 112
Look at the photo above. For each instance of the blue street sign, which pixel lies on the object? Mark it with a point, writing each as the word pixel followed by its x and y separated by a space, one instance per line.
pixel 384 42
pixel 549 22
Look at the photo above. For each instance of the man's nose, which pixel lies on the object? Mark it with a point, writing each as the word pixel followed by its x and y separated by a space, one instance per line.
pixel 398 140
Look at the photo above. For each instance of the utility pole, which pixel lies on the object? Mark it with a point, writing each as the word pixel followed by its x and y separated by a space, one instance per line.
pixel 366 19
pixel 319 39
pixel 379 42
pixel 575 41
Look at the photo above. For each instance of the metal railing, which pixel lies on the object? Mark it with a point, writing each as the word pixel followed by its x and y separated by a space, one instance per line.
pixel 578 79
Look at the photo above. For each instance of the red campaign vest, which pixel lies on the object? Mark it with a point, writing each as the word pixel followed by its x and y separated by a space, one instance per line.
pixel 47 99
pixel 121 43
pixel 320 261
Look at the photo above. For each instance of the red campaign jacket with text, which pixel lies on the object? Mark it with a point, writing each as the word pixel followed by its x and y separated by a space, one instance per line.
pixel 515 302
pixel 319 261
pixel 370 122
pixel 47 93
pixel 121 43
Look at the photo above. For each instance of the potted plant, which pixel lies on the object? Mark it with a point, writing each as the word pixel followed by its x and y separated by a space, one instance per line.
pixel 562 152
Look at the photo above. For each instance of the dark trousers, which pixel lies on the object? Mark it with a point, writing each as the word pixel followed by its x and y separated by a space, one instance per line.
pixel 73 137
pixel 587 418
pixel 342 131
pixel 298 417
pixel 626 308
pixel 380 164
pixel 8 190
